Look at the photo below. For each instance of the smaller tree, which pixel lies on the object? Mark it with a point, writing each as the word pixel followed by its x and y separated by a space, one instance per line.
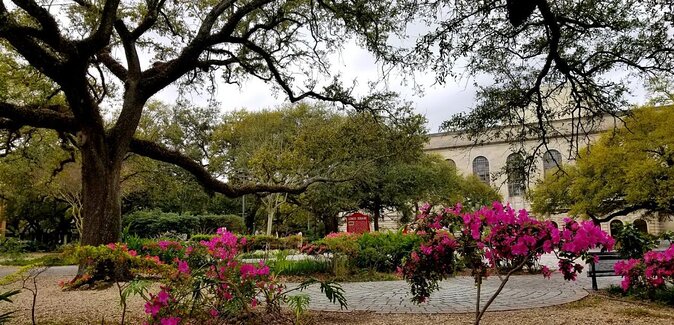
pixel 627 170
pixel 499 236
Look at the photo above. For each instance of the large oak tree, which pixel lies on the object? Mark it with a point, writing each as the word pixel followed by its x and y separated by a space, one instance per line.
pixel 94 54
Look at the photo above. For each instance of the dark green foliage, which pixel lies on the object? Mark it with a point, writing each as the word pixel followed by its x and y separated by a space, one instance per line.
pixel 384 251
pixel 664 294
pixel 201 237
pixel 11 246
pixel 5 296
pixel 633 243
pixel 379 251
pixel 155 223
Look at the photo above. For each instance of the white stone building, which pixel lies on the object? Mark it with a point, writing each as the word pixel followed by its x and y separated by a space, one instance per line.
pixel 488 158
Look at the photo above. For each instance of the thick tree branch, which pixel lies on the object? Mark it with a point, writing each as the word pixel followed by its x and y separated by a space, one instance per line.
pixel 40 14
pixel 101 37
pixel 112 64
pixel 22 39
pixel 40 117
pixel 129 43
pixel 622 212
pixel 156 78
pixel 154 151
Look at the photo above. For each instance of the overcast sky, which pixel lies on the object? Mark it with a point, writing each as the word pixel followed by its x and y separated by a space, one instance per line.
pixel 437 103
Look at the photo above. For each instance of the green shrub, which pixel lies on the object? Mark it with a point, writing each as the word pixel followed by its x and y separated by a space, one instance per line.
pixel 380 251
pixel 155 223
pixel 110 263
pixel 632 243
pixel 201 237
pixel 384 251
pixel 12 246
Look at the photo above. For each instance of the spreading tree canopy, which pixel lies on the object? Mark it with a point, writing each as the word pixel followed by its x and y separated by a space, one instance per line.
pixel 92 54
pixel 537 61
pixel 625 171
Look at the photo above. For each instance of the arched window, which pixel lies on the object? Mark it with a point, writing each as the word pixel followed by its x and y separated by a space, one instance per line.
pixel 481 168
pixel 641 225
pixel 551 159
pixel 515 171
pixel 615 227
pixel 451 162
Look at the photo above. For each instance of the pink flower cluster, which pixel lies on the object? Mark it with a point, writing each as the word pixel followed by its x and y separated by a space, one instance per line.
pixel 122 247
pixel 499 234
pixel 225 282
pixel 167 244
pixel 338 234
pixel 225 245
pixel 653 271
pixel 159 309
pixel 250 271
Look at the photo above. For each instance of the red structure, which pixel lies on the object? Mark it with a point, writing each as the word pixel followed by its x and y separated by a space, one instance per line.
pixel 358 223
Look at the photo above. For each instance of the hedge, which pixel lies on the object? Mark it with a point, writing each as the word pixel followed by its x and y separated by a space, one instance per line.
pixel 381 251
pixel 149 224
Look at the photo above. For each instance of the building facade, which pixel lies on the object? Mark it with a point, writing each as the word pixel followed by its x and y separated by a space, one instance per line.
pixel 499 162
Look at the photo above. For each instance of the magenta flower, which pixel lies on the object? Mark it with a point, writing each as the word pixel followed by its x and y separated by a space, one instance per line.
pixel 183 267
pixel 170 321
pixel 163 297
pixel 152 308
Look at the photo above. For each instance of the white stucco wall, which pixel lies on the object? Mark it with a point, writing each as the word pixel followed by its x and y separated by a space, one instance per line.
pixel 463 151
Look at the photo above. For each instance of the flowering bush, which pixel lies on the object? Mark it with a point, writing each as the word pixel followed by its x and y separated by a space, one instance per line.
pixel 488 238
pixel 211 289
pixel 654 271
pixel 201 283
pixel 111 263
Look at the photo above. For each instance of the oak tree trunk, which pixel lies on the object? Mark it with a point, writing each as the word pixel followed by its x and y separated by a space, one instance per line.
pixel 101 198
pixel 331 223
pixel 377 216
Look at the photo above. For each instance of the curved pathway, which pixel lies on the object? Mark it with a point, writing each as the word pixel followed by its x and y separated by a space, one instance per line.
pixel 456 295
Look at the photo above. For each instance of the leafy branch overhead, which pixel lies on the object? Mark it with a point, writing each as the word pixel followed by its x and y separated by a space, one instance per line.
pixel 539 61
pixel 89 55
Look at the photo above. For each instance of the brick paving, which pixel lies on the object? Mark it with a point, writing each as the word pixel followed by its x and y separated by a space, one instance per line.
pixel 457 295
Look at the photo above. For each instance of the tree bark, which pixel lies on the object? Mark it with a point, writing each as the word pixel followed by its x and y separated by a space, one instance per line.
pixel 377 215
pixel 101 196
pixel 331 223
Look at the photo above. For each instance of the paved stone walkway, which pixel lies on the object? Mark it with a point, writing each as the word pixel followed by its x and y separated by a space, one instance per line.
pixel 457 295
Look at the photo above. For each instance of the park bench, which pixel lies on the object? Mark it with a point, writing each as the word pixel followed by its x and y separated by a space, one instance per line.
pixel 604 267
